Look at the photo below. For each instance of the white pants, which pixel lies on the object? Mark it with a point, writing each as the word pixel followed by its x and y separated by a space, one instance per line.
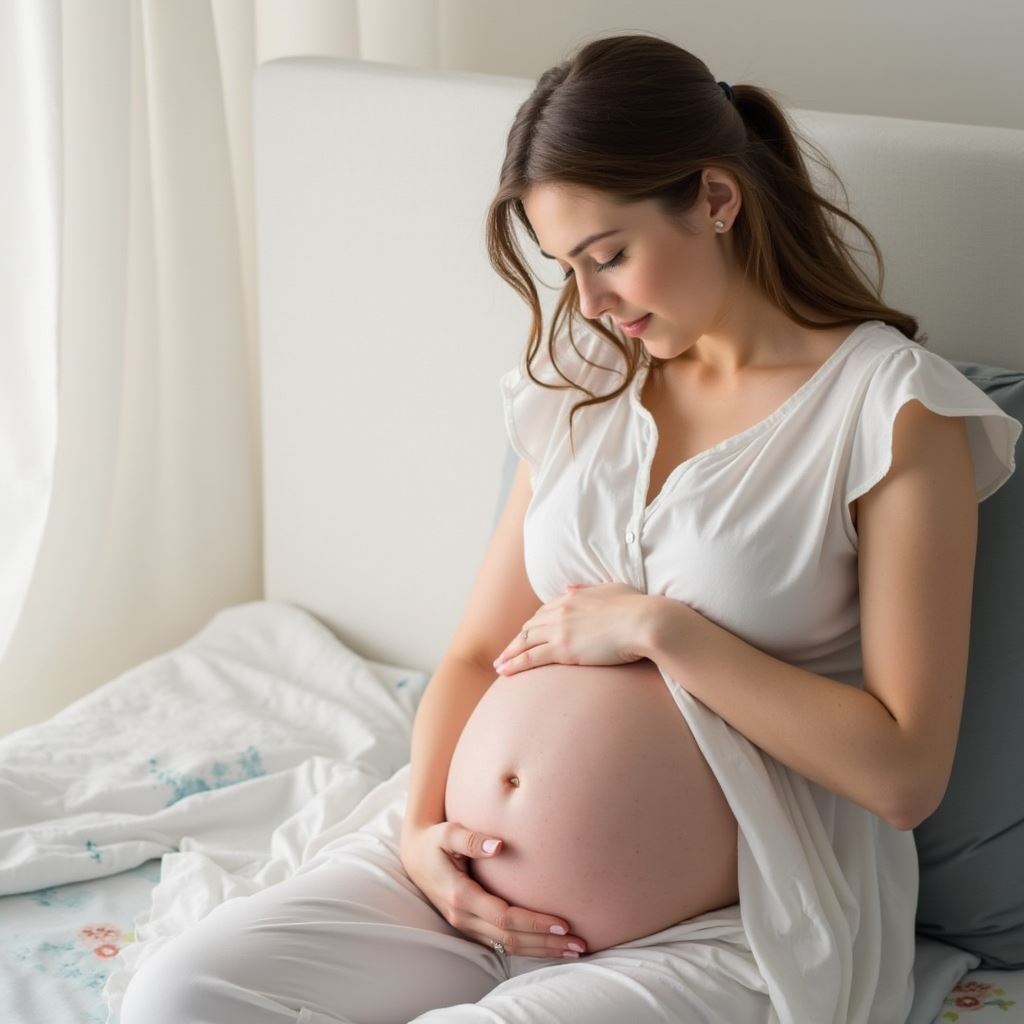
pixel 350 939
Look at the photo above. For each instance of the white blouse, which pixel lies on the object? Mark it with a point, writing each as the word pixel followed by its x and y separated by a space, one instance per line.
pixel 755 534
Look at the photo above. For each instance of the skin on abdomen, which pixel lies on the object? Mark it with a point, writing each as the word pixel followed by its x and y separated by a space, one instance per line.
pixel 610 816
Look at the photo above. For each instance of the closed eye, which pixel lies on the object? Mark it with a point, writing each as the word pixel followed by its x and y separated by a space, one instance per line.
pixel 613 262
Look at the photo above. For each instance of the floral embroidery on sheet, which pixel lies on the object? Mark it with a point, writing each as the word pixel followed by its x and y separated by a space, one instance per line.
pixel 63 940
pixel 249 766
pixel 973 995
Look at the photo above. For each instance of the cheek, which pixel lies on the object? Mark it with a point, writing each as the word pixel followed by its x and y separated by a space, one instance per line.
pixel 686 281
pixel 661 287
pixel 651 286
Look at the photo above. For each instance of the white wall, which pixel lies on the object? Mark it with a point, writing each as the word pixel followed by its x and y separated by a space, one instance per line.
pixel 935 60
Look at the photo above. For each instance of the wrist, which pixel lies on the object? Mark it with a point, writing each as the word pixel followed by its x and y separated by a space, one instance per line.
pixel 651 624
pixel 411 825
pixel 415 824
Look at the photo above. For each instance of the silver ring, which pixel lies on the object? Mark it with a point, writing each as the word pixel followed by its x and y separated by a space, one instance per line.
pixel 523 634
pixel 498 947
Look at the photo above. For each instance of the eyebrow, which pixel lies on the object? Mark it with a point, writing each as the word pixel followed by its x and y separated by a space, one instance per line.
pixel 589 240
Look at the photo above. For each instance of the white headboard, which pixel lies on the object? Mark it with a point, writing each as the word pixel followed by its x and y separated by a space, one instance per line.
pixel 384 329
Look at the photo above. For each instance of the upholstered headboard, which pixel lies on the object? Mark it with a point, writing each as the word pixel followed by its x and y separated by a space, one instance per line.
pixel 384 329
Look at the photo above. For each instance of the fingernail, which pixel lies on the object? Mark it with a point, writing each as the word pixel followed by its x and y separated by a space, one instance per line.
pixel 490 845
pixel 576 946
pixel 557 929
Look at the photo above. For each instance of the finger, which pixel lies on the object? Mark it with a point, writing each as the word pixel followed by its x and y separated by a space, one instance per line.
pixel 523 932
pixel 525 928
pixel 538 933
pixel 531 657
pixel 522 944
pixel 516 646
pixel 467 842
pixel 512 648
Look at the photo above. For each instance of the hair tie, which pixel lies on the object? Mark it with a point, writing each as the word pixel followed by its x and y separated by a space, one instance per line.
pixel 727 89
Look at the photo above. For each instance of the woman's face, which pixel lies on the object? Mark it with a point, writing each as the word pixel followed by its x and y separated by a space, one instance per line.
pixel 649 265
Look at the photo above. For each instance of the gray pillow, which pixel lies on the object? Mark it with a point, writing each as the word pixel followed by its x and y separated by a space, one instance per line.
pixel 971 850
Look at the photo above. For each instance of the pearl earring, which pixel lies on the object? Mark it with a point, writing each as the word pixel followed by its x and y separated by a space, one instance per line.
pixel 719 225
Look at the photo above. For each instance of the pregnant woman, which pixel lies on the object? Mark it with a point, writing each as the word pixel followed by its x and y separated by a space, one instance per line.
pixel 710 673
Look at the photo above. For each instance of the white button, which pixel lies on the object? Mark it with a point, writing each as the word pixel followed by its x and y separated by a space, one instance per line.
pixel 630 536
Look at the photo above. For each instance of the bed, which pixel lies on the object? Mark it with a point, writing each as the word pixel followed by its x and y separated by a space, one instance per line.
pixel 218 767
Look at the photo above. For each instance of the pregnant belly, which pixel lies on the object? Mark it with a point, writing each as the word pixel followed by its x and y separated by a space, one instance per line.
pixel 610 816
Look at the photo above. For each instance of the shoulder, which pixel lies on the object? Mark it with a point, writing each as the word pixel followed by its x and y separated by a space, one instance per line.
pixel 537 404
pixel 930 446
pixel 895 381
pixel 930 459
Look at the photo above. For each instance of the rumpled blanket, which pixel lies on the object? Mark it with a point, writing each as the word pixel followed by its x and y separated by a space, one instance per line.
pixel 241 754
pixel 237 756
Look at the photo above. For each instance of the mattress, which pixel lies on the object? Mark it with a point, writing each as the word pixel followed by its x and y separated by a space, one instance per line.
pixel 216 770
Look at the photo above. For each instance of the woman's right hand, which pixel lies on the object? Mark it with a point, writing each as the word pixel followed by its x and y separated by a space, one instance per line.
pixel 434 857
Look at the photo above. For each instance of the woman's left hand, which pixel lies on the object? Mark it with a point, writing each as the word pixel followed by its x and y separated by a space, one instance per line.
pixel 589 625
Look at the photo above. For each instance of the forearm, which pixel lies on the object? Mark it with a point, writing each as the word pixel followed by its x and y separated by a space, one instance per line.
pixel 451 695
pixel 837 735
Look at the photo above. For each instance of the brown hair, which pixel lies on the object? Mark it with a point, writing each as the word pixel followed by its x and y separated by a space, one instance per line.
pixel 589 116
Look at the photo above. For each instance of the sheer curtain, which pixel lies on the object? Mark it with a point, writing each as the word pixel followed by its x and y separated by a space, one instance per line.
pixel 129 377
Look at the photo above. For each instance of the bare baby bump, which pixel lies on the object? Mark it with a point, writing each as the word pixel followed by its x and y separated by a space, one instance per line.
pixel 610 816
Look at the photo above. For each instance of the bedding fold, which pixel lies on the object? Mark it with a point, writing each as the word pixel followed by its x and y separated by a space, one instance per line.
pixel 241 755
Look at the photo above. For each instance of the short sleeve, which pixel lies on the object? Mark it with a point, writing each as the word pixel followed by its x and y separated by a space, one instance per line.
pixel 913 372
pixel 536 418
pixel 531 415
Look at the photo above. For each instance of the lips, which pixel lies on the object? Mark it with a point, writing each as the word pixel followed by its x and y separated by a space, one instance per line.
pixel 633 323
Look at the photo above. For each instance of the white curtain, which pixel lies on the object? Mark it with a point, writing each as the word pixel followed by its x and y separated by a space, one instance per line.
pixel 130 506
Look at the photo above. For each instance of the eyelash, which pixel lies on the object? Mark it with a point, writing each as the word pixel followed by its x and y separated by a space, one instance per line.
pixel 613 262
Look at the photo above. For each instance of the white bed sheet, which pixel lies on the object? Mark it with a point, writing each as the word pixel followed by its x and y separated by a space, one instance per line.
pixel 212 771
pixel 58 946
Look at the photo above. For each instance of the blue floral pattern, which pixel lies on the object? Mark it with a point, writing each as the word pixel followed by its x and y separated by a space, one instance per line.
pixel 249 765
pixel 58 945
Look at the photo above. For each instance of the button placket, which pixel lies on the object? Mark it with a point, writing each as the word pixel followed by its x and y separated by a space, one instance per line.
pixel 634 559
pixel 634 556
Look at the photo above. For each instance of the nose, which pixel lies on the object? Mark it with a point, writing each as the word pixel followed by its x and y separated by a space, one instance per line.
pixel 593 301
